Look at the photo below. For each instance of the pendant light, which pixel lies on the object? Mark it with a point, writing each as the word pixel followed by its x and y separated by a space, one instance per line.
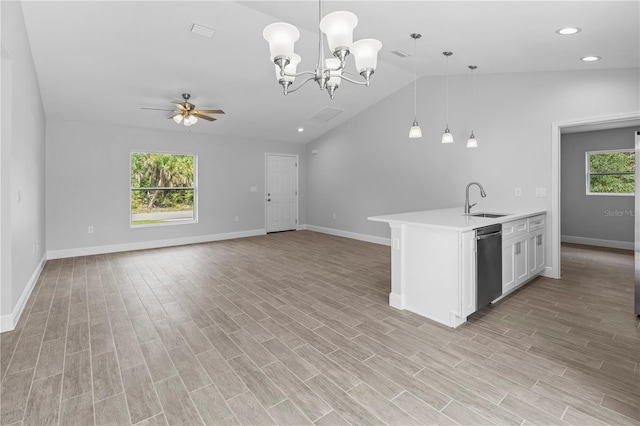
pixel 415 131
pixel 472 142
pixel 447 137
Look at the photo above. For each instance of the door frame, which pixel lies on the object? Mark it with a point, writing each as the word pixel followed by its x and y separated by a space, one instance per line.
pixel 556 130
pixel 266 174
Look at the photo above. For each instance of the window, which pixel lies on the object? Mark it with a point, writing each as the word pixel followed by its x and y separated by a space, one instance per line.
pixel 611 172
pixel 163 188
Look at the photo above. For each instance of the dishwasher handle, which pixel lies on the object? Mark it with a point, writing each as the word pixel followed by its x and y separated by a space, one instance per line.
pixel 484 236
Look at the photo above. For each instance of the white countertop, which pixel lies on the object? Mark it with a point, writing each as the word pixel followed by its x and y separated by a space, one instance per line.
pixel 453 218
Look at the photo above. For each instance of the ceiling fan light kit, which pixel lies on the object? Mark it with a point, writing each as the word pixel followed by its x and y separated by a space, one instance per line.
pixel 338 28
pixel 186 113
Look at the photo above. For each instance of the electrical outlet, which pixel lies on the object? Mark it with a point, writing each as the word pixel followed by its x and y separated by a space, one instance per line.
pixel 541 192
pixel 90 229
pixel 334 216
pixel 518 192
pixel 253 189
pixel 237 218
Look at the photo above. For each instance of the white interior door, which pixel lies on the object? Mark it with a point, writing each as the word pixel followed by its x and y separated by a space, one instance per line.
pixel 282 192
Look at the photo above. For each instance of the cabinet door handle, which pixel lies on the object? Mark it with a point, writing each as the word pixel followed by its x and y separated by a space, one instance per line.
pixel 517 248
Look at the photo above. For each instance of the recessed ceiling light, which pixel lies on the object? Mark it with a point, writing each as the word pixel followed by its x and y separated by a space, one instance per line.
pixel 568 31
pixel 300 129
pixel 590 58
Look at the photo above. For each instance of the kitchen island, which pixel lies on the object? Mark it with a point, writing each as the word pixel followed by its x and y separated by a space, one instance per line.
pixel 433 258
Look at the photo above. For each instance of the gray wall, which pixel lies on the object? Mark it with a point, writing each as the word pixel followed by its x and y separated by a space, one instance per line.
pixel 22 203
pixel 88 184
pixel 368 166
pixel 589 218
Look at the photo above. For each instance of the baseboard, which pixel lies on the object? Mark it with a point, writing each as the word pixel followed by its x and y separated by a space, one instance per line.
pixel 625 245
pixel 347 234
pixel 396 301
pixel 8 322
pixel 548 273
pixel 143 245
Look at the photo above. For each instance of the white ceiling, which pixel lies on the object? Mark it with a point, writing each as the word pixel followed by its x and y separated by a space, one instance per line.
pixel 101 61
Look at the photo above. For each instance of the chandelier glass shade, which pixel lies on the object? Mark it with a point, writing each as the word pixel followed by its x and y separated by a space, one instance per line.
pixel 290 69
pixel 338 28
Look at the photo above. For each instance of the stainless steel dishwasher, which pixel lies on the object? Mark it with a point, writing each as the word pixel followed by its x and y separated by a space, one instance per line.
pixel 488 264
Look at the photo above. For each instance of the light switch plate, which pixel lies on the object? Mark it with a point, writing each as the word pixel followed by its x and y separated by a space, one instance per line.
pixel 253 189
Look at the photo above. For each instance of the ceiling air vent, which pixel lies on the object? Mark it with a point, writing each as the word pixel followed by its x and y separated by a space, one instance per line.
pixel 326 114
pixel 400 53
pixel 202 30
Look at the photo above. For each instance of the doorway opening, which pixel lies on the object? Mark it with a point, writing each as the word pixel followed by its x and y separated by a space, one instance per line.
pixel 597 123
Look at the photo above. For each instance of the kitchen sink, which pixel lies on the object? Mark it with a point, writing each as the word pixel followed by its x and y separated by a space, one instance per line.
pixel 491 215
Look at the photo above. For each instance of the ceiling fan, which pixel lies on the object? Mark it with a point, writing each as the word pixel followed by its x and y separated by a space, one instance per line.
pixel 186 112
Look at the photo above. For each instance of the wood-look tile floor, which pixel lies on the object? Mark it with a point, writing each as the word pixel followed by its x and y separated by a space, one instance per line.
pixel 294 328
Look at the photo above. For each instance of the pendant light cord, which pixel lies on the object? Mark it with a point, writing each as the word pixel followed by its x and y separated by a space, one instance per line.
pixel 473 101
pixel 447 88
pixel 415 81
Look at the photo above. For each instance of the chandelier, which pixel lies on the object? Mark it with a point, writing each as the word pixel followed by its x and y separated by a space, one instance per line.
pixel 338 28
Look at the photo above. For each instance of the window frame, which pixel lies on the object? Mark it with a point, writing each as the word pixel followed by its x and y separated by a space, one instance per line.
pixel 195 190
pixel 588 172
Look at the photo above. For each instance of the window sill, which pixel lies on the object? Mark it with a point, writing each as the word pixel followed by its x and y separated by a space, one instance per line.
pixel 163 223
pixel 609 194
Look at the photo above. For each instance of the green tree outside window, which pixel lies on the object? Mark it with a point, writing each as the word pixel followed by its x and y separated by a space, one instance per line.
pixel 162 188
pixel 611 172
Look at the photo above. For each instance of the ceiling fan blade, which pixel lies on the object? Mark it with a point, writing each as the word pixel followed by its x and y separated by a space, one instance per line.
pixel 174 115
pixel 210 111
pixel 204 117
pixel 157 109
pixel 179 106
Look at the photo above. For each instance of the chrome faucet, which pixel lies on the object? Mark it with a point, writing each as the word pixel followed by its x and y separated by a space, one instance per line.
pixel 467 207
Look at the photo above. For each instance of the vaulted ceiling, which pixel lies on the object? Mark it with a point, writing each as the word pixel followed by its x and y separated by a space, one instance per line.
pixel 101 61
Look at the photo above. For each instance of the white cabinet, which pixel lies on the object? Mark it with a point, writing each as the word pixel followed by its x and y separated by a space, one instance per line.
pixel 523 251
pixel 521 259
pixel 514 262
pixel 536 252
pixel 536 244
pixel 468 277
